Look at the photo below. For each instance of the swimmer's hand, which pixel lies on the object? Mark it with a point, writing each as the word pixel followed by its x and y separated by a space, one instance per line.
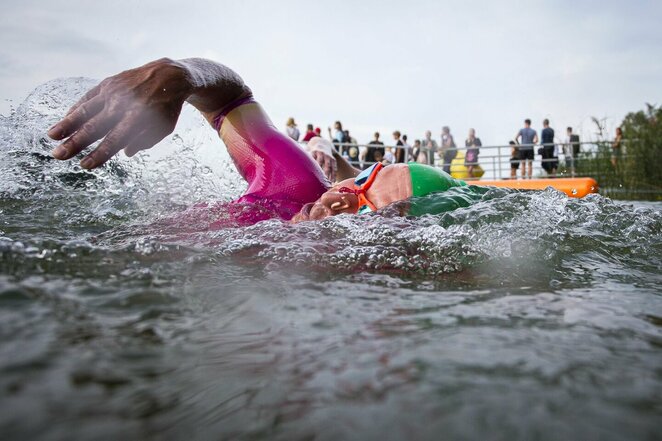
pixel 327 164
pixel 322 152
pixel 132 110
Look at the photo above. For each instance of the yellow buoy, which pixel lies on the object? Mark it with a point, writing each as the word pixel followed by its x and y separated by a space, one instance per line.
pixel 460 171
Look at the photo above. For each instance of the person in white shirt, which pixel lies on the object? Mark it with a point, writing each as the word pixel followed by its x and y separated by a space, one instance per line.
pixel 389 157
pixel 292 130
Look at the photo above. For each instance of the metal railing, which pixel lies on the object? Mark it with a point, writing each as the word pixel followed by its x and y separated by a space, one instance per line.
pixel 495 160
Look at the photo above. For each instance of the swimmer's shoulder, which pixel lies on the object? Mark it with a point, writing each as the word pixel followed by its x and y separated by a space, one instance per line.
pixel 393 170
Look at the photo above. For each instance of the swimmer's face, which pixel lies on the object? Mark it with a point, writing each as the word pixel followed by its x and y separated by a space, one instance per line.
pixel 330 204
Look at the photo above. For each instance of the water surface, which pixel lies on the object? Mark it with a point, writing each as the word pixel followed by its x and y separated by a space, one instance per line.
pixel 125 313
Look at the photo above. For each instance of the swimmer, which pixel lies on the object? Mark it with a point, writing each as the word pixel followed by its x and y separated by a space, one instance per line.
pixel 377 187
pixel 137 108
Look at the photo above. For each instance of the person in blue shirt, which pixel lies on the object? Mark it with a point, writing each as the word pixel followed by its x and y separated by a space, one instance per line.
pixel 338 138
pixel 529 138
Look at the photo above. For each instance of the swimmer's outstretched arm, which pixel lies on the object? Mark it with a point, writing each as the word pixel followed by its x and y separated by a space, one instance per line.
pixel 137 108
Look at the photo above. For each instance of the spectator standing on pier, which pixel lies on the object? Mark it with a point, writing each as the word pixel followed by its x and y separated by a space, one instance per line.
pixel 527 138
pixel 352 149
pixel 338 138
pixel 571 150
pixel 292 130
pixel 375 152
pixel 549 160
pixel 415 150
pixel 337 135
pixel 418 153
pixel 310 133
pixel 430 146
pixel 389 157
pixel 407 148
pixel 448 148
pixel 514 159
pixel 400 152
pixel 473 145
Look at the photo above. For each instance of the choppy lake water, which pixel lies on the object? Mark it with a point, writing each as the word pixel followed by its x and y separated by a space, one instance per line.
pixel 124 316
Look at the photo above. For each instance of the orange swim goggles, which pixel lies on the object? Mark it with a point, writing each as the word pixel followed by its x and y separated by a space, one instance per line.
pixel 362 184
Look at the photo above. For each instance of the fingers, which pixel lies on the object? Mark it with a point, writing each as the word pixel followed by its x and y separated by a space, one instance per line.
pixel 334 168
pixel 330 167
pixel 88 96
pixel 130 135
pixel 328 170
pixel 74 120
pixel 143 141
pixel 114 141
pixel 320 158
pixel 94 129
pixel 327 164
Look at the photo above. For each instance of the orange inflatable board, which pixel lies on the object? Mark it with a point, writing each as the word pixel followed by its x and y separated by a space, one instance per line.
pixel 573 187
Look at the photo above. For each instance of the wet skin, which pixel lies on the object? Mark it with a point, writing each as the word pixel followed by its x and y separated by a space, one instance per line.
pixel 393 183
pixel 137 108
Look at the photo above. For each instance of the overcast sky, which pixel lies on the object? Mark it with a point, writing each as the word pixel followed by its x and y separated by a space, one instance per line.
pixel 374 65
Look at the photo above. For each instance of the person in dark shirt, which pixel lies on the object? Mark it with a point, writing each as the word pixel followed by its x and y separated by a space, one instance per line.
pixel 400 153
pixel 514 159
pixel 407 148
pixel 448 148
pixel 374 154
pixel 549 160
pixel 430 145
pixel 310 133
pixel 571 150
pixel 473 144
pixel 418 153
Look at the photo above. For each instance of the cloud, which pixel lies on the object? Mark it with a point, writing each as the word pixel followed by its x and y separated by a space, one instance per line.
pixel 381 64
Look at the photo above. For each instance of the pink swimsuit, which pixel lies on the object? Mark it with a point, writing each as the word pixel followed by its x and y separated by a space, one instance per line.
pixel 281 176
